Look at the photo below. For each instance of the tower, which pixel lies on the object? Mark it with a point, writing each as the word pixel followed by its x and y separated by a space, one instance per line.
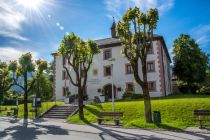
pixel 113 29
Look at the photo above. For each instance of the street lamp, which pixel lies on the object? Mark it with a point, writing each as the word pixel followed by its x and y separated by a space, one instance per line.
pixel 112 60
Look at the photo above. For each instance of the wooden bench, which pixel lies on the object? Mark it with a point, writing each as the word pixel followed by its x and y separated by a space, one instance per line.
pixel 202 116
pixel 116 116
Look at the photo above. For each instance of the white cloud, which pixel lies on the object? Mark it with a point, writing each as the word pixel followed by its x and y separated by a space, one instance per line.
pixel 9 53
pixel 202 34
pixel 11 20
pixel 116 7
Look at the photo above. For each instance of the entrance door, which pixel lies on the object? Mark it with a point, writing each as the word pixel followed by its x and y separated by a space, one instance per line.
pixel 108 92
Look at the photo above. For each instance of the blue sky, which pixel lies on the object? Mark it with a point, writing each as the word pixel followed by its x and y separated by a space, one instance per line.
pixel 39 28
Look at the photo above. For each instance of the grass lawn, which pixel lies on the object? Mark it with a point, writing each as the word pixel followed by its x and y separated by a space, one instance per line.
pixel 176 111
pixel 45 106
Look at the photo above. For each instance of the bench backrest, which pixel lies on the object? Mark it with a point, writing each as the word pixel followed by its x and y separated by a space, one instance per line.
pixel 113 114
pixel 202 112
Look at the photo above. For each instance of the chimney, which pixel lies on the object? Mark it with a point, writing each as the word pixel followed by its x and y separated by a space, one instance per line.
pixel 113 29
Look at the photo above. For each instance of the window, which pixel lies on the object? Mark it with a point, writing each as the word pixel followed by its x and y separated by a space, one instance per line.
pixel 128 69
pixel 152 86
pixel 150 51
pixel 64 75
pixel 129 87
pixel 65 91
pixel 107 54
pixel 150 66
pixel 107 70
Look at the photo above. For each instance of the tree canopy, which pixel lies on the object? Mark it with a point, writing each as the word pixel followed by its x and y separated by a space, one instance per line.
pixel 190 62
pixel 5 79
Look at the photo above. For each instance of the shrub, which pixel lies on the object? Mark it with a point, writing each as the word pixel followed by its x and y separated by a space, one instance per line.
pixel 204 90
pixel 127 95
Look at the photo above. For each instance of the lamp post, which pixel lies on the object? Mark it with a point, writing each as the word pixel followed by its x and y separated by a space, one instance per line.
pixel 112 60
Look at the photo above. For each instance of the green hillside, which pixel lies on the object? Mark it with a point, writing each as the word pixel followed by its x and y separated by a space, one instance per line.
pixel 176 111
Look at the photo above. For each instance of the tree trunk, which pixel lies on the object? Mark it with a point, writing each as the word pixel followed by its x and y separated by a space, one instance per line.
pixel 147 105
pixel 25 123
pixel 147 102
pixel 80 102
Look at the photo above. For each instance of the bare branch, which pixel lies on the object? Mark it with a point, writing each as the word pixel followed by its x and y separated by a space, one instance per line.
pixel 69 76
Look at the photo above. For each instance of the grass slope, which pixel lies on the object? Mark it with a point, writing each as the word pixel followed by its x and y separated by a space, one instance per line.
pixel 45 106
pixel 176 111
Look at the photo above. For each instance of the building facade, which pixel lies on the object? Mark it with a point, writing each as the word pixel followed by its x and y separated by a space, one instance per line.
pixel 100 75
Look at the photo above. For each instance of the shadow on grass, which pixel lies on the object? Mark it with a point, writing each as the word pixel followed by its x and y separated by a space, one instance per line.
pixel 92 110
pixel 168 127
pixel 97 105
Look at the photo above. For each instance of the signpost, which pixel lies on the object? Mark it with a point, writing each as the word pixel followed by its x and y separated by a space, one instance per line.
pixel 36 103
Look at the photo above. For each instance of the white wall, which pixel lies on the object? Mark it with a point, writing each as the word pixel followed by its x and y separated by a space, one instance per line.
pixel 119 75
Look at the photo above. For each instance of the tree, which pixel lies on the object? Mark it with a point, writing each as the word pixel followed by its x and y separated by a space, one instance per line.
pixel 79 55
pixel 5 79
pixel 136 31
pixel 25 69
pixel 190 63
pixel 43 86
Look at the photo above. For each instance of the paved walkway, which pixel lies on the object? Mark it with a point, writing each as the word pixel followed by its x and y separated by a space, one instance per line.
pixel 58 129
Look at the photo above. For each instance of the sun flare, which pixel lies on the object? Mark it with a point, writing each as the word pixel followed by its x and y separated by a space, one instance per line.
pixel 30 4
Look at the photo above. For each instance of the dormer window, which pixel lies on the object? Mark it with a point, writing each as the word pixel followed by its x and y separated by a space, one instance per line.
pixel 107 54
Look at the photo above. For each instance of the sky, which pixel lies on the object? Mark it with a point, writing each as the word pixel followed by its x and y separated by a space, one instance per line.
pixel 38 26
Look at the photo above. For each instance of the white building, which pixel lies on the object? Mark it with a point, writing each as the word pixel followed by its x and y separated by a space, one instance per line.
pixel 99 75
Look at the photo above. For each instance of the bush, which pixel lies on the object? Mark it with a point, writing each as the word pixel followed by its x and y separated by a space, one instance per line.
pixel 127 95
pixel 204 90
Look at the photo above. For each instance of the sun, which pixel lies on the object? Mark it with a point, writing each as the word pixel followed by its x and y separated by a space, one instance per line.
pixel 30 4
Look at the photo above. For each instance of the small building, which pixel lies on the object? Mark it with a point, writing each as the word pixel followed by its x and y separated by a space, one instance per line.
pixel 99 81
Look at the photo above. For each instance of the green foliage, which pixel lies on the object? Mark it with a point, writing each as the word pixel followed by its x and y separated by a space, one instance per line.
pixel 42 65
pixel 5 79
pixel 136 30
pixel 26 63
pixel 132 96
pixel 190 63
pixel 74 47
pixel 43 86
pixel 13 66
pixel 204 87
pixel 204 90
pixel 176 111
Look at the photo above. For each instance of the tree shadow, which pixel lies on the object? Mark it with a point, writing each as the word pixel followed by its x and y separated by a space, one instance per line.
pixel 116 135
pixel 119 135
pixel 168 127
pixel 92 110
pixel 32 132
pixel 97 105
